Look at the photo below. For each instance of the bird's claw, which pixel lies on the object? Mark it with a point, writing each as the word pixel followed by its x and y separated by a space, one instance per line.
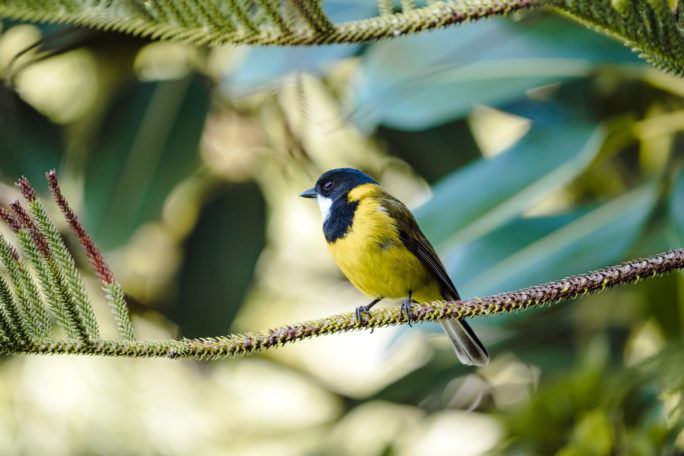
pixel 360 311
pixel 406 310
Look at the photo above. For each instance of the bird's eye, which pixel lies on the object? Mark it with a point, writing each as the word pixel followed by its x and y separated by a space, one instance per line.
pixel 328 186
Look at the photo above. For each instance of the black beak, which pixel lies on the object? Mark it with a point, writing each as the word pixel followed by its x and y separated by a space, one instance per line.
pixel 310 193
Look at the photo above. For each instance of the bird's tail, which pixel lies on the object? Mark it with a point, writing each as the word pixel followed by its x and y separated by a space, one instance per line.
pixel 468 347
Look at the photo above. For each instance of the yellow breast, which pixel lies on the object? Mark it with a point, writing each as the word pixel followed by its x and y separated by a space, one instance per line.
pixel 373 258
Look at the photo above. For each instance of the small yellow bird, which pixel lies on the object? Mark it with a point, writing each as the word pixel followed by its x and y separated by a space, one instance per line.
pixel 376 242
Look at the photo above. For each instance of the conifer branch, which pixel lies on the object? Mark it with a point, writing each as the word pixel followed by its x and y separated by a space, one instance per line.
pixel 650 27
pixel 538 296
pixel 113 290
pixel 61 267
pixel 49 288
pixel 67 308
pixel 16 319
pixel 26 326
pixel 42 319
pixel 245 344
pixel 262 22
pixel 28 313
pixel 7 334
pixel 64 265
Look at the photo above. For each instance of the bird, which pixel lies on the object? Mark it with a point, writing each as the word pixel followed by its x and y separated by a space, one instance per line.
pixel 377 243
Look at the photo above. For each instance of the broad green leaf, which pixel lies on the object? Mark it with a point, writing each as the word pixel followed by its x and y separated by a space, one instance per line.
pixel 264 66
pixel 431 152
pixel 219 261
pixel 480 197
pixel 424 80
pixel 147 144
pixel 677 208
pixel 531 251
pixel 30 144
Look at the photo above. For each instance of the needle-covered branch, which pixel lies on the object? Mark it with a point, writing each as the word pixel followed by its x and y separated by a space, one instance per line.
pixel 245 344
pixel 651 28
pixel 29 317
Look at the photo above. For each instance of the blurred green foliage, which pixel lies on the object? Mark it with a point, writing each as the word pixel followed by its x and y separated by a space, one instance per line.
pixel 129 172
pixel 549 150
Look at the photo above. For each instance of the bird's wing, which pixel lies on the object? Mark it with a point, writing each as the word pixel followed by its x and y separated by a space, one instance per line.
pixel 416 242
pixel 469 349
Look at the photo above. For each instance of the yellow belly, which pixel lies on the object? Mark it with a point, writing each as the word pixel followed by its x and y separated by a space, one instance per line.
pixel 375 261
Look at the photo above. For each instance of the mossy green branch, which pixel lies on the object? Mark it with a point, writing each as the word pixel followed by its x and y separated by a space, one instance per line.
pixel 245 344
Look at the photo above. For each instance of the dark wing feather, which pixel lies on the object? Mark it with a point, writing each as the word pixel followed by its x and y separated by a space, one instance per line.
pixel 416 242
pixel 469 349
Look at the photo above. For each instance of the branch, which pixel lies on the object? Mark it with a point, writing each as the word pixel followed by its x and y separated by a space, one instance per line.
pixel 245 344
pixel 115 294
pixel 650 27
pixel 265 22
pixel 27 327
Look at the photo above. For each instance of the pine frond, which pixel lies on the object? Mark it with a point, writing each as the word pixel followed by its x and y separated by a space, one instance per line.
pixel 48 287
pixel 17 326
pixel 263 22
pixel 64 266
pixel 114 292
pixel 30 317
pixel 649 27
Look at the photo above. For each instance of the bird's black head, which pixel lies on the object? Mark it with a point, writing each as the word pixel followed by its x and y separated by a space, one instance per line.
pixel 337 182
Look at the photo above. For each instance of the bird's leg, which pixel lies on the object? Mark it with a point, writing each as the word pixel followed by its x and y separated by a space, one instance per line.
pixel 365 310
pixel 406 308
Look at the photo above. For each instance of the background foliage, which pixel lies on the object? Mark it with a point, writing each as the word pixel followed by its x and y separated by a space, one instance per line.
pixel 538 147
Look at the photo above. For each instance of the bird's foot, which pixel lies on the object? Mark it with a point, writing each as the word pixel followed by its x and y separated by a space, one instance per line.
pixel 406 309
pixel 360 312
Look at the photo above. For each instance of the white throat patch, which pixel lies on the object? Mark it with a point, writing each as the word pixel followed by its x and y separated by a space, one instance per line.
pixel 324 204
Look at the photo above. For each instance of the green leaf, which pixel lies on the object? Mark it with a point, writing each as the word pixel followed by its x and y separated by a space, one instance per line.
pixel 430 152
pixel 676 208
pixel 30 143
pixel 148 144
pixel 265 65
pixel 425 80
pixel 220 256
pixel 480 197
pixel 531 251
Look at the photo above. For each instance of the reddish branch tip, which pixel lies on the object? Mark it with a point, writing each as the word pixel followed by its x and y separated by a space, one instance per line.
pixel 52 179
pixel 10 220
pixel 95 258
pixel 34 231
pixel 26 189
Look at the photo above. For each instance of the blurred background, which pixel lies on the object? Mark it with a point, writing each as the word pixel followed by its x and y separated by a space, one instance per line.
pixel 530 148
